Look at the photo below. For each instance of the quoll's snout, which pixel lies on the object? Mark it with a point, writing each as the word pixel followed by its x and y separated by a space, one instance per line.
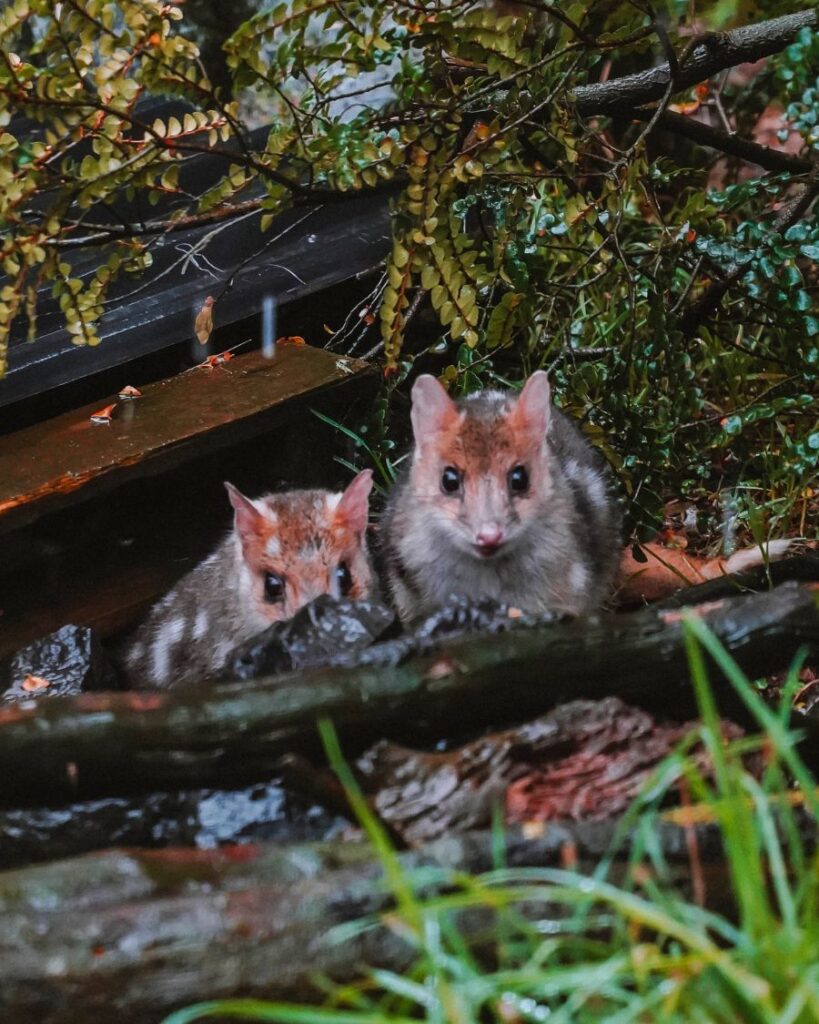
pixel 489 539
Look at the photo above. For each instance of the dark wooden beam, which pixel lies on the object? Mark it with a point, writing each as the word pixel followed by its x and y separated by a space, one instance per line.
pixel 71 458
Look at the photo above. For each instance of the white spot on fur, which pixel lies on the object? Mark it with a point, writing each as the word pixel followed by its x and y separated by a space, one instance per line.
pixel 572 469
pixel 490 394
pixel 200 626
pixel 219 653
pixel 273 547
pixel 161 661
pixel 173 631
pixel 578 578
pixel 136 653
pixel 331 502
pixel 595 487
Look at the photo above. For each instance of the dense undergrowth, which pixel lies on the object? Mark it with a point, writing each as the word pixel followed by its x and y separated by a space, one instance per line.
pixel 562 946
pixel 671 289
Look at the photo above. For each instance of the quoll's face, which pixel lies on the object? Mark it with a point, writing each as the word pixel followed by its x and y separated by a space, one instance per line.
pixel 479 478
pixel 300 547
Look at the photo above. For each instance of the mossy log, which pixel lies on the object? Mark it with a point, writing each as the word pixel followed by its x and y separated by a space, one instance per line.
pixel 103 743
pixel 131 936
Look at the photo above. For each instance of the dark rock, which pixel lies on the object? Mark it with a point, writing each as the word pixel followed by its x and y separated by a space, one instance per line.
pixel 316 635
pixel 345 634
pixel 66 662
pixel 459 616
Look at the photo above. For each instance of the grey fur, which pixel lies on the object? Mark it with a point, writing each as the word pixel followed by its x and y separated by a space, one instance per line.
pixel 566 560
pixel 188 633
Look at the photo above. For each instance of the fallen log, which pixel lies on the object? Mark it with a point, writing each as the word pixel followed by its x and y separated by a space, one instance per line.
pixel 102 743
pixel 584 761
pixel 131 936
pixel 201 819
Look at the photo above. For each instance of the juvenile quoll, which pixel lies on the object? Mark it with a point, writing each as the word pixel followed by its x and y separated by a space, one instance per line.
pixel 503 498
pixel 284 550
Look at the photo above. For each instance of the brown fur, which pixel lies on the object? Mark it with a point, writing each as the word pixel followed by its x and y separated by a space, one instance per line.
pixel 300 536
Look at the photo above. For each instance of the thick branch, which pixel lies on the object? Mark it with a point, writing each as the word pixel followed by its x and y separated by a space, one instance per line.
pixel 218 734
pixel 734 145
pixel 717 52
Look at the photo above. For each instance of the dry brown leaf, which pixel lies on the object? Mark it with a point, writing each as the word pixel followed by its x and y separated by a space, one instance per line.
pixel 203 326
pixel 104 415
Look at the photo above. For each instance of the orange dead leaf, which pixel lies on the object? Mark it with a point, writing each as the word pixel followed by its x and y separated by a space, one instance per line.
pixel 155 39
pixel 130 392
pixel 203 325
pixel 685 108
pixel 104 415
pixel 35 683
pixel 296 340
pixel 691 236
pixel 701 91
pixel 217 360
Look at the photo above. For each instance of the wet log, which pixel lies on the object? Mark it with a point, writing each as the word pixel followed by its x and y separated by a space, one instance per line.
pixel 585 761
pixel 201 819
pixel 131 936
pixel 103 742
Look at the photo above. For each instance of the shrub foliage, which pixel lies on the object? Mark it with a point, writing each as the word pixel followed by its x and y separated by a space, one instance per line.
pixel 546 213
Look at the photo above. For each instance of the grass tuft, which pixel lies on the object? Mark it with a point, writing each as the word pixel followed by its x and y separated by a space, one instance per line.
pixel 540 945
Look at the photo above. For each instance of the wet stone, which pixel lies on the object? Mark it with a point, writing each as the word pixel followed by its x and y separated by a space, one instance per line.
pixel 67 662
pixel 318 634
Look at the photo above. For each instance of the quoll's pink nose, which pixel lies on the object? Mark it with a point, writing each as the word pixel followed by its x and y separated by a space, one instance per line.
pixel 489 538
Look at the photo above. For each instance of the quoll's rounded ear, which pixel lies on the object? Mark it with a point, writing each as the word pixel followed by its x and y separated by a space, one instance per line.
pixel 432 409
pixel 353 509
pixel 532 411
pixel 246 517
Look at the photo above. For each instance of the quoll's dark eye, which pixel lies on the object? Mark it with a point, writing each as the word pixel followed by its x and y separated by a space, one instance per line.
pixel 450 480
pixel 518 480
pixel 273 587
pixel 345 580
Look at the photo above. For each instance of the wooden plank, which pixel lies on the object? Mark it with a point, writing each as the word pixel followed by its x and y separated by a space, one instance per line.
pixel 70 458
pixel 302 253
